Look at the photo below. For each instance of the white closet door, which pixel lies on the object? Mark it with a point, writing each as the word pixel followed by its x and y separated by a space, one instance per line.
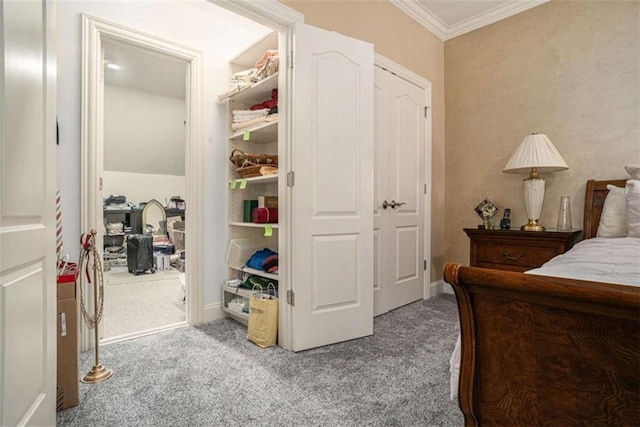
pixel 27 214
pixel 332 157
pixel 400 171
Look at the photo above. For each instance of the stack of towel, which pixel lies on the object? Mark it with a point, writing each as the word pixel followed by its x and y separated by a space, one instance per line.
pixel 266 66
pixel 245 118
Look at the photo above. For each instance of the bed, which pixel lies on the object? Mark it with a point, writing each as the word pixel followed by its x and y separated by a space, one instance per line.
pixel 545 350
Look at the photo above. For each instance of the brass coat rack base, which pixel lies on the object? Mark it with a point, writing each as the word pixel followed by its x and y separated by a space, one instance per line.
pixel 97 374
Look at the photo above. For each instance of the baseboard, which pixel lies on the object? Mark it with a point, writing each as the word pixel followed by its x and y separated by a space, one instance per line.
pixel 440 287
pixel 212 312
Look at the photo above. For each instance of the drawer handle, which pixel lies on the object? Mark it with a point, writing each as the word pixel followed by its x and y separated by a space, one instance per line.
pixel 511 257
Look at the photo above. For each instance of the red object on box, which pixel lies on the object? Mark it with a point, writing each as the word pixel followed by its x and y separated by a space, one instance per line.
pixel 264 215
pixel 68 273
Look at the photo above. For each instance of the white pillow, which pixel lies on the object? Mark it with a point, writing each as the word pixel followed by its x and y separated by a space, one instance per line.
pixel 633 170
pixel 632 192
pixel 613 221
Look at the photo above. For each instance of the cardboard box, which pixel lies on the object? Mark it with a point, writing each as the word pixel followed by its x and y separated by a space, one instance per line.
pixel 67 341
pixel 178 237
pixel 268 202
pixel 179 264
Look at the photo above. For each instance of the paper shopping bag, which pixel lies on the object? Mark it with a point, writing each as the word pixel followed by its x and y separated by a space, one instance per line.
pixel 263 319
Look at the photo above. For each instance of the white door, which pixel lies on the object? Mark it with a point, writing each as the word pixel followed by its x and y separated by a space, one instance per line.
pixel 399 180
pixel 27 214
pixel 332 157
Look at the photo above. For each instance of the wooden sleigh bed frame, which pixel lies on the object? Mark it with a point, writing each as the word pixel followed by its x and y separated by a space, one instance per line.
pixel 545 350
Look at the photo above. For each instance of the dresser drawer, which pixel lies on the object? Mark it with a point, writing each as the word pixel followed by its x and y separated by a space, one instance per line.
pixel 522 256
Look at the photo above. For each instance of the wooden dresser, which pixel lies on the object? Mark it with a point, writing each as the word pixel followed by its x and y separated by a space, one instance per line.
pixel 517 250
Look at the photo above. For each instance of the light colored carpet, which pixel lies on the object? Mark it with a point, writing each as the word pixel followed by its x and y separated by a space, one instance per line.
pixel 138 303
pixel 120 276
pixel 213 376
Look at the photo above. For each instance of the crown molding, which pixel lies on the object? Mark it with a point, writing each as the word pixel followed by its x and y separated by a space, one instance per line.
pixel 446 32
pixel 269 13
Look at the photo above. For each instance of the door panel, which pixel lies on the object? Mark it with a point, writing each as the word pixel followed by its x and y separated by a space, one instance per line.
pixel 407 254
pixel 334 287
pixel 332 157
pixel 400 137
pixel 27 214
pixel 410 131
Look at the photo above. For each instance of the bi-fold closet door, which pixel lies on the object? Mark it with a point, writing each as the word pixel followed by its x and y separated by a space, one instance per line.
pixel 327 229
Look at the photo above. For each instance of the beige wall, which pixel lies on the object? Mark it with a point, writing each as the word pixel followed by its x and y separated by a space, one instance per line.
pixel 570 69
pixel 402 40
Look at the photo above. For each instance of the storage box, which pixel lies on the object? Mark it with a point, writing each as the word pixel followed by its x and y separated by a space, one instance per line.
pixel 265 215
pixel 162 262
pixel 67 341
pixel 240 250
pixel 247 207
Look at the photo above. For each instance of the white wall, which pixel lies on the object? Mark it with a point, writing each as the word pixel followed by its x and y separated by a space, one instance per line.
pixel 142 187
pixel 219 34
pixel 143 132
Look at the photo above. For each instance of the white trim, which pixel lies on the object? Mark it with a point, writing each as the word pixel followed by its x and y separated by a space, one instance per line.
pixel 213 312
pixel 446 32
pixel 94 30
pixel 402 72
pixel 144 333
pixel 270 13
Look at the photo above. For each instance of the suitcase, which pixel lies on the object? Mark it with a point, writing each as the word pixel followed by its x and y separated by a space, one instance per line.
pixel 140 254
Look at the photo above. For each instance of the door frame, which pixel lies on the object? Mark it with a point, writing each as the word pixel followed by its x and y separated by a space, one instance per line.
pixel 94 31
pixel 281 18
pixel 421 82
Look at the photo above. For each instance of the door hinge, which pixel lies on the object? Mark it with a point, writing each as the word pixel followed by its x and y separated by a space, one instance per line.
pixel 100 183
pixel 290 59
pixel 291 298
pixel 425 265
pixel 425 189
pixel 425 111
pixel 291 179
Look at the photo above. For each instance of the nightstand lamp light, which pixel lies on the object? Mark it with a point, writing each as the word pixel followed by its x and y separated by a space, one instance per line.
pixel 536 154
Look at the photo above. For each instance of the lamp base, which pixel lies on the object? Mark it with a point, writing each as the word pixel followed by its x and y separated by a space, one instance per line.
pixel 532 225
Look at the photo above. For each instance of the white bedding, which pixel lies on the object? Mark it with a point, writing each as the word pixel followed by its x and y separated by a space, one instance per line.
pixel 601 259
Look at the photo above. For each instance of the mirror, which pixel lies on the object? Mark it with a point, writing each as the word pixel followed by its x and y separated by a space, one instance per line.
pixel 154 219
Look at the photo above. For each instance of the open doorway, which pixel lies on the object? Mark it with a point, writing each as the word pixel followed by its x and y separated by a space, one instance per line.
pixel 99 39
pixel 143 189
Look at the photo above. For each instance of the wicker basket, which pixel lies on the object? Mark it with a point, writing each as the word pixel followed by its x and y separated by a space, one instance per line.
pixel 250 169
pixel 240 159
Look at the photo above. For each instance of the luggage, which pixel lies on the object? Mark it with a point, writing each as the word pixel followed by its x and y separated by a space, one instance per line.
pixel 140 254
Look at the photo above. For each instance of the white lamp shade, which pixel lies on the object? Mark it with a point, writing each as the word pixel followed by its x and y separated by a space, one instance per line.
pixel 535 151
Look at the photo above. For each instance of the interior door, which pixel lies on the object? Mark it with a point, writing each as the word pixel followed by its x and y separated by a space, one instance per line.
pixel 332 158
pixel 400 166
pixel 27 214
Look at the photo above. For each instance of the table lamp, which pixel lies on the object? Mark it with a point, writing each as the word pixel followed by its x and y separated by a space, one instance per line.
pixel 536 154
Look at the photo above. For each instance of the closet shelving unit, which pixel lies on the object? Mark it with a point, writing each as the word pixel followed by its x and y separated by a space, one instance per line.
pixel 258 139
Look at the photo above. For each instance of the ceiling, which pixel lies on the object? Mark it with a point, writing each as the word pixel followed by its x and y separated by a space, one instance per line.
pixel 451 18
pixel 139 67
pixel 145 70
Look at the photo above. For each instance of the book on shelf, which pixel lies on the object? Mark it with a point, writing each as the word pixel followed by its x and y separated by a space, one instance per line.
pixel 267 201
pixel 247 209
